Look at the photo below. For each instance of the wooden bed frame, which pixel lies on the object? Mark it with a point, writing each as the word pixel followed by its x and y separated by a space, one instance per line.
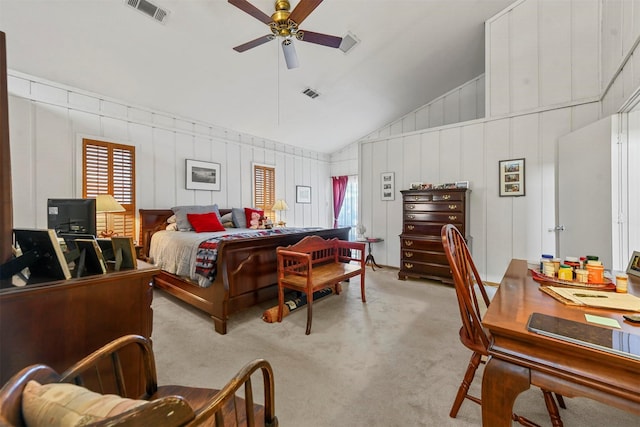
pixel 246 269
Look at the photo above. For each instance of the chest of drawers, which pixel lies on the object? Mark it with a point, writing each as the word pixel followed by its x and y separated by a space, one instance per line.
pixel 424 212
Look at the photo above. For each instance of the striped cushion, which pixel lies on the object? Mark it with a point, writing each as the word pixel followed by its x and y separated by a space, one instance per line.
pixel 61 404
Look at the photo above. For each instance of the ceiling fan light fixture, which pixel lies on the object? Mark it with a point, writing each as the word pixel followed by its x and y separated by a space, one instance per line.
pixel 290 55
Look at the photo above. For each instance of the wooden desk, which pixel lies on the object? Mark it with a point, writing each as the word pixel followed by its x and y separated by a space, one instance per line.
pixel 58 323
pixel 520 358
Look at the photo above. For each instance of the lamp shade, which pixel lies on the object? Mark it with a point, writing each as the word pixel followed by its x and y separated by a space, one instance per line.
pixel 107 203
pixel 280 205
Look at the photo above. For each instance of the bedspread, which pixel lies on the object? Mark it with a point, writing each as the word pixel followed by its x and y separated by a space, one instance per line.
pixel 207 254
pixel 194 255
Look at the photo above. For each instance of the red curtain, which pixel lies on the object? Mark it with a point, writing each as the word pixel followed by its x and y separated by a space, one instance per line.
pixel 339 190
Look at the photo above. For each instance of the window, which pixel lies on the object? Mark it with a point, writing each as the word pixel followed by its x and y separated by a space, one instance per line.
pixel 264 189
pixel 109 168
pixel 348 216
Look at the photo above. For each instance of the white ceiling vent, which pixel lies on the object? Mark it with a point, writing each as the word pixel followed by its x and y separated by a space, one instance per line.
pixel 149 9
pixel 348 42
pixel 311 93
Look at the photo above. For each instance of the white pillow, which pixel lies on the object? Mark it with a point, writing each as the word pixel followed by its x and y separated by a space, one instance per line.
pixel 172 227
pixel 171 219
pixel 182 211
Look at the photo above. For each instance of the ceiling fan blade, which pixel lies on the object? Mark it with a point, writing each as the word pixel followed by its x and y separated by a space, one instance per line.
pixel 303 9
pixel 247 7
pixel 323 39
pixel 253 43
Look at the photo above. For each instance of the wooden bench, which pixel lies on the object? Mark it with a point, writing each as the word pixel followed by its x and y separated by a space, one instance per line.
pixel 315 263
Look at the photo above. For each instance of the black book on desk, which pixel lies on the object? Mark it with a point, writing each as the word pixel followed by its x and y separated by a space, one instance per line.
pixel 610 340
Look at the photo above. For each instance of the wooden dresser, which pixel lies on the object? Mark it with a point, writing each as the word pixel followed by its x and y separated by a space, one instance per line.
pixel 58 323
pixel 424 212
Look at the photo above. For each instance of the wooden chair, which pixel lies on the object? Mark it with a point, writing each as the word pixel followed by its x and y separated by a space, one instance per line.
pixel 170 405
pixel 472 334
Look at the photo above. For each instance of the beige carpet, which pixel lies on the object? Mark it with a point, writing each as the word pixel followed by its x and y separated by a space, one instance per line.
pixel 394 361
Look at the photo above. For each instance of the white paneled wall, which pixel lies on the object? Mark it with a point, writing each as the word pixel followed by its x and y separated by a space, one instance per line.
pixel 49 120
pixel 542 53
pixel 461 104
pixel 543 80
pixel 502 228
pixel 345 161
pixel 621 58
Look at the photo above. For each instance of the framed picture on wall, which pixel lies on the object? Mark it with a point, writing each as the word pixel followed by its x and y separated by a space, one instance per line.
pixel 511 174
pixel 387 186
pixel 202 175
pixel 303 194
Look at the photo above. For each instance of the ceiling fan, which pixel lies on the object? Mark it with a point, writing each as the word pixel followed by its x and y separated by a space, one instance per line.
pixel 285 24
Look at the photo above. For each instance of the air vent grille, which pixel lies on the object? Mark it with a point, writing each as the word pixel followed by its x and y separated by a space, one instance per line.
pixel 151 10
pixel 311 93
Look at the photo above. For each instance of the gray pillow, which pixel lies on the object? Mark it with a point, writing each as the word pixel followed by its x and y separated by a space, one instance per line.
pixel 238 217
pixel 182 211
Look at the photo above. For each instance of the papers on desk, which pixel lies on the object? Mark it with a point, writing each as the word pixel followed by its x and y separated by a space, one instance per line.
pixel 591 298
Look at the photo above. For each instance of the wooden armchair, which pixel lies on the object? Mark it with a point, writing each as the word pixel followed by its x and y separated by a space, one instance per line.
pixel 170 405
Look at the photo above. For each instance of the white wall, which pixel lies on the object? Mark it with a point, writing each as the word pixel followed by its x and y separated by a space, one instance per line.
pixel 345 161
pixel 543 80
pixel 466 102
pixel 47 123
pixel 541 54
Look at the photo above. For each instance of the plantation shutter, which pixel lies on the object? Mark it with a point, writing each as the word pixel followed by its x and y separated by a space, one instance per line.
pixel 264 193
pixel 109 168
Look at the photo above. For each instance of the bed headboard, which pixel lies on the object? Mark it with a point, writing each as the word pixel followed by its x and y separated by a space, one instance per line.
pixel 152 220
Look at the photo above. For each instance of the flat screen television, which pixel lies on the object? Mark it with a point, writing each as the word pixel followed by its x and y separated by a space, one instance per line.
pixel 72 216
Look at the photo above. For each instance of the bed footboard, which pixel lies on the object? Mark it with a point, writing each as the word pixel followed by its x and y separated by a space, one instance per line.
pixel 246 270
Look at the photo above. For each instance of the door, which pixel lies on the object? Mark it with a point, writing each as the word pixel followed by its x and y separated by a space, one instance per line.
pixel 585 224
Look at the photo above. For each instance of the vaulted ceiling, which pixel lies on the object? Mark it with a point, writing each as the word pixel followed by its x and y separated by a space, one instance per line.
pixel 410 52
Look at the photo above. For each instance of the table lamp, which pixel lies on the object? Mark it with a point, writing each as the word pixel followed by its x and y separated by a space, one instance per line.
pixel 106 203
pixel 280 206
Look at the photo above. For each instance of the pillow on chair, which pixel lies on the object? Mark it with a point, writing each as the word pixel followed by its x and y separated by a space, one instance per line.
pixel 62 404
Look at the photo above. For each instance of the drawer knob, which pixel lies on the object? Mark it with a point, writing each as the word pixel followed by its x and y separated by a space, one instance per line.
pixel 452 207
pixel 410 227
pixel 416 198
pixel 408 254
pixel 452 217
pixel 446 196
pixel 408 242
pixel 411 206
pixel 411 216
pixel 408 265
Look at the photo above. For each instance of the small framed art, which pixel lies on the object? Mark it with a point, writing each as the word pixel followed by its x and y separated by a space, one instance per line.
pixel 202 175
pixel 511 173
pixel 303 194
pixel 125 252
pixel 387 186
pixel 634 264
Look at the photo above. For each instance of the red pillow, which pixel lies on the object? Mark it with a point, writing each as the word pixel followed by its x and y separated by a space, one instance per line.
pixel 205 222
pixel 248 212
